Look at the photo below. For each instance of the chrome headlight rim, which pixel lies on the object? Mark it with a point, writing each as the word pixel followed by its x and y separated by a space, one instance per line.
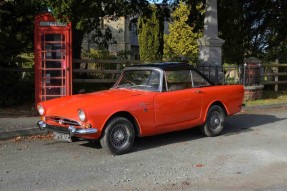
pixel 82 115
pixel 41 109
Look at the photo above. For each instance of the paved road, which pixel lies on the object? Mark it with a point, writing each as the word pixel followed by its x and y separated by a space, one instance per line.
pixel 250 155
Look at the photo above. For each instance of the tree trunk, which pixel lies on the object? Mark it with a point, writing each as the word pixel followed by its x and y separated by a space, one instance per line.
pixel 77 38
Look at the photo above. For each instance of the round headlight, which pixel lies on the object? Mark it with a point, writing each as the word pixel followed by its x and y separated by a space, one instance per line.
pixel 40 109
pixel 82 115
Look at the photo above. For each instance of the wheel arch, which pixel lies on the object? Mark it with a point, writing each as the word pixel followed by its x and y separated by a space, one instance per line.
pixel 218 103
pixel 128 116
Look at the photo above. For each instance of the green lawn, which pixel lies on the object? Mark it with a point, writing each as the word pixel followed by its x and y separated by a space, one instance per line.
pixel 269 97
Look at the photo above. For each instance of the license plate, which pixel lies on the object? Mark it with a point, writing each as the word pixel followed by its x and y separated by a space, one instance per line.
pixel 62 137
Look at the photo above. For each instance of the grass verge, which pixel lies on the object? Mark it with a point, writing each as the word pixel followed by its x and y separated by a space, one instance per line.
pixel 269 97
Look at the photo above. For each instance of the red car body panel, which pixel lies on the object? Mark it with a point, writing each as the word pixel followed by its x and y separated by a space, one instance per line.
pixel 154 112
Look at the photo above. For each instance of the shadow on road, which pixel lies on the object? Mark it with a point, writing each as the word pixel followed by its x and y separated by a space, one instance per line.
pixel 166 139
pixel 237 124
pixel 245 122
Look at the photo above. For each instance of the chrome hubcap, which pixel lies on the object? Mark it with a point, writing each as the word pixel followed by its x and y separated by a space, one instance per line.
pixel 119 136
pixel 214 120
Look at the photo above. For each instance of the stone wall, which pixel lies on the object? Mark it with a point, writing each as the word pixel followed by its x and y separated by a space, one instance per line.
pixel 120 32
pixel 253 92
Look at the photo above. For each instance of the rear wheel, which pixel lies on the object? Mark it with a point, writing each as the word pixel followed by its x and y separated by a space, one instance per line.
pixel 118 137
pixel 214 122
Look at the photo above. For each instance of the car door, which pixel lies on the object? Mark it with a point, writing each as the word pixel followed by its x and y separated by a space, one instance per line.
pixel 180 102
pixel 177 106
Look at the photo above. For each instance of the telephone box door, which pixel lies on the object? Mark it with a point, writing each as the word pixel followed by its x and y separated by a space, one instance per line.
pixel 52 61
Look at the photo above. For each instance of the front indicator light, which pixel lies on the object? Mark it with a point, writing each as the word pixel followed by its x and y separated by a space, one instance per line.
pixel 86 126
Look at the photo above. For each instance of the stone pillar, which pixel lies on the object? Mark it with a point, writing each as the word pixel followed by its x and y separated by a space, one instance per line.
pixel 210 53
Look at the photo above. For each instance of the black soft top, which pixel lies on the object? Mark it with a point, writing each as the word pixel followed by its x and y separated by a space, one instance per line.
pixel 168 66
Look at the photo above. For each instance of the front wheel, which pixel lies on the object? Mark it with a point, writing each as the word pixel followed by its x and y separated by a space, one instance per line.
pixel 214 122
pixel 118 136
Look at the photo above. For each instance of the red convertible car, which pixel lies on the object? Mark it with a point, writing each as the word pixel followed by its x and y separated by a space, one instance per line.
pixel 147 99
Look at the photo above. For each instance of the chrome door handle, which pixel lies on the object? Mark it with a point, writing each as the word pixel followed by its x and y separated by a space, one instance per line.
pixel 197 91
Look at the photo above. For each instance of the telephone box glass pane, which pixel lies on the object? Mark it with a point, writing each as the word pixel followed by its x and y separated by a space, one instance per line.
pixel 52 73
pixel 53 46
pixel 54 92
pixel 53 51
pixel 52 64
pixel 53 37
pixel 53 54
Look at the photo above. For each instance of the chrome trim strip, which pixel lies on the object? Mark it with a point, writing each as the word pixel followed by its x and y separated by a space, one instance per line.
pixel 71 130
pixel 74 131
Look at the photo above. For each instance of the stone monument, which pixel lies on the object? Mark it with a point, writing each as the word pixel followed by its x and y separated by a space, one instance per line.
pixel 210 45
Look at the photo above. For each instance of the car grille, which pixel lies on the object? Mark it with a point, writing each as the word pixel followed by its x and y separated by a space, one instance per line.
pixel 63 121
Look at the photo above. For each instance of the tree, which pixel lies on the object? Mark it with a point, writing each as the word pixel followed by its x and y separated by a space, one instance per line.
pixel 233 30
pixel 252 28
pixel 196 13
pixel 87 15
pixel 150 34
pixel 182 41
pixel 16 37
pixel 17 24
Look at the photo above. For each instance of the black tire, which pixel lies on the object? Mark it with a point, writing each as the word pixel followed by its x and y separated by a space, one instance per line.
pixel 118 136
pixel 74 139
pixel 214 122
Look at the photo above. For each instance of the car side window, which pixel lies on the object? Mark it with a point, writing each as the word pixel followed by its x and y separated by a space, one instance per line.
pixel 153 80
pixel 198 81
pixel 178 80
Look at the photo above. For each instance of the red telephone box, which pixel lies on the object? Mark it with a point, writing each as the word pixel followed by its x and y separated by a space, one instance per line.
pixel 53 58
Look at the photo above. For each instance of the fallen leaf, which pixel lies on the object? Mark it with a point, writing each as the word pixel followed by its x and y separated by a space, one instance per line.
pixel 199 165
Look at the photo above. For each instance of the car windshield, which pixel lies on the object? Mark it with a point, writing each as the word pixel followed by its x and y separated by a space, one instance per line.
pixel 148 80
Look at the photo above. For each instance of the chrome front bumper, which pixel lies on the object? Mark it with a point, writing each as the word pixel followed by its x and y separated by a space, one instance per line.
pixel 70 130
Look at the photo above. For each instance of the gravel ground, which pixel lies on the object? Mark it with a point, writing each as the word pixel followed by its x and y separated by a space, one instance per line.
pixel 250 155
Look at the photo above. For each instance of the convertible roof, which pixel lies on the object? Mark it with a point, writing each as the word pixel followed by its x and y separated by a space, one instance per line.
pixel 166 65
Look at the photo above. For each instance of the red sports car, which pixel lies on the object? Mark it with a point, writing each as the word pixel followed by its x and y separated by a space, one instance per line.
pixel 147 99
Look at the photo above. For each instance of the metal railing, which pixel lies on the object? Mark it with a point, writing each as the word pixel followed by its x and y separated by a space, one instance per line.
pixel 232 74
pixel 247 74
